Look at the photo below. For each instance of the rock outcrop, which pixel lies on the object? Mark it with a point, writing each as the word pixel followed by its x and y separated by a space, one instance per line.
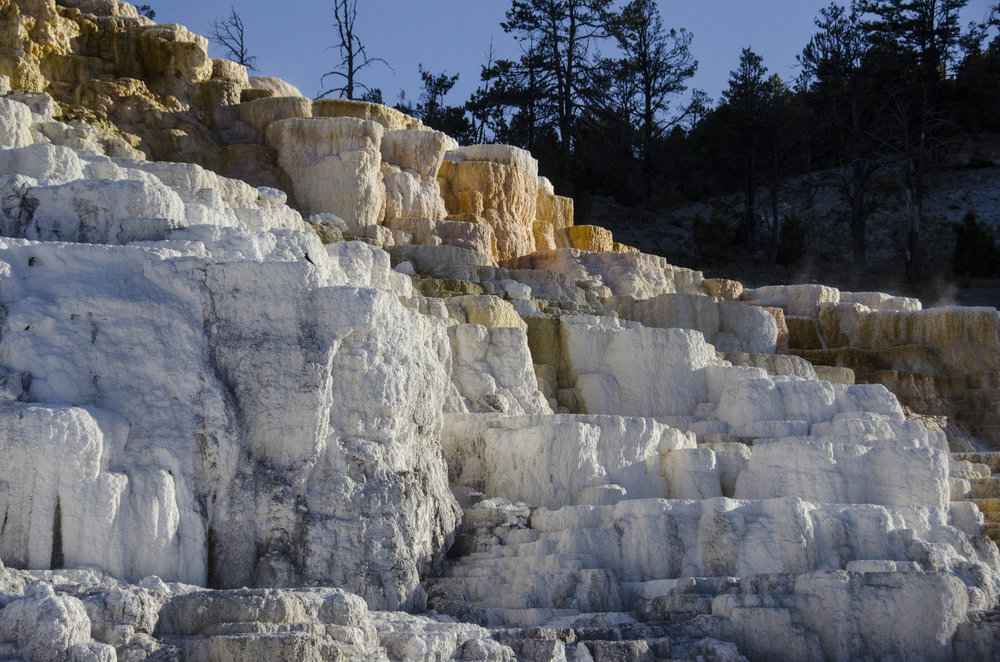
pixel 284 415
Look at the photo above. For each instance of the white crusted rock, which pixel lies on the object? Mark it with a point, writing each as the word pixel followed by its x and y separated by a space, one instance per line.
pixel 553 461
pixel 101 212
pixel 838 473
pixel 635 371
pixel 493 372
pixel 50 628
pixel 15 124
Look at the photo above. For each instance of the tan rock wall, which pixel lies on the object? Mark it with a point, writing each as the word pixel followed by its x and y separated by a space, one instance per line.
pixel 504 196
pixel 172 51
pixel 966 339
pixel 390 118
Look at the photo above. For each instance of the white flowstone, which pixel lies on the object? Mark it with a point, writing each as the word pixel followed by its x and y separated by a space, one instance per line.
pixel 554 460
pixel 335 165
pixel 846 473
pixel 15 124
pixel 493 372
pixel 201 420
pixel 635 371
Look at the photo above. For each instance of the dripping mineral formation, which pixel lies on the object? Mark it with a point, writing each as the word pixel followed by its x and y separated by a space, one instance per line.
pixel 285 379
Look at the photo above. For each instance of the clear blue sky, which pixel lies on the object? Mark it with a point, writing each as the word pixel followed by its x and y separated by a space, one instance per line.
pixel 291 39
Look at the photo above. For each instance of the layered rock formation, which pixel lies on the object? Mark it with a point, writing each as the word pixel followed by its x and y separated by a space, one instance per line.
pixel 401 408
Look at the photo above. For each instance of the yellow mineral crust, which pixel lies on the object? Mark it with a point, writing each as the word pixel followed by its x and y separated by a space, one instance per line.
pixel 390 118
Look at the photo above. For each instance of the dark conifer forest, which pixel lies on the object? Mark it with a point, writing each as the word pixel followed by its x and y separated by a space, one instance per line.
pixel 888 95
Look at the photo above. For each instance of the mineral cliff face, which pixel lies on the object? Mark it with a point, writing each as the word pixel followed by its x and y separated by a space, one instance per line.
pixel 401 408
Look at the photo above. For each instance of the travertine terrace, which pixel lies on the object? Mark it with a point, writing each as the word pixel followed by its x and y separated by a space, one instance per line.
pixel 296 380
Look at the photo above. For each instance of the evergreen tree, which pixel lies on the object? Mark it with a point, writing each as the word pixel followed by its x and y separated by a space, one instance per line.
pixel 561 34
pixel 920 37
pixel 745 101
pixel 433 111
pixel 654 66
pixel 849 98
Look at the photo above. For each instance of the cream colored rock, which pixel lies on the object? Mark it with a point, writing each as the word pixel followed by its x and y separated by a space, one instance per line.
pixel 105 8
pixel 278 87
pixel 648 547
pixel 15 125
pixel 366 266
pixel 493 372
pixel 589 238
pixel 335 166
pixel 634 371
pixel 390 118
pixel 555 460
pixel 101 212
pixel 49 628
pixel 846 473
pixel 785 365
pixel 130 525
pixel 636 275
pixel 551 208
pixel 798 300
pixel 967 340
pixel 420 151
pixel 262 113
pixel 861 604
pixel 166 398
pixel 730 326
pixel 692 473
pixel 33 29
pixel 476 237
pixel 486 310
pixel 837 375
pixel 723 289
pixel 170 51
pixel 410 163
pixel 409 196
pixel 881 301
pixel 231 71
pixel 49 163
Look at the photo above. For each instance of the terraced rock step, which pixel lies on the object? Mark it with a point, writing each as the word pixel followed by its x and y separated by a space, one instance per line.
pixel 979 638
pixel 992 460
pixel 990 507
pixel 614 637
pixel 985 488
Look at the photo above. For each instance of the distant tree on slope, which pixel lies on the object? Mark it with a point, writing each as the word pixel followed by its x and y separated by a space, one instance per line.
pixel 745 99
pixel 147 11
pixel 920 39
pixel 432 110
pixel 850 103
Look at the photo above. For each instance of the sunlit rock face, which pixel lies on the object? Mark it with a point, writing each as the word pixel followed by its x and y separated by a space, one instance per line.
pixel 272 422
pixel 496 185
pixel 140 431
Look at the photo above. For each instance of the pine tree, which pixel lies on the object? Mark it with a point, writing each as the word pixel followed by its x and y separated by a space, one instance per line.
pixel 655 62
pixel 562 33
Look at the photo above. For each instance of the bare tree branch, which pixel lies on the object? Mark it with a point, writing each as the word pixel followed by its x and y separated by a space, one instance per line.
pixel 231 36
pixel 353 57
